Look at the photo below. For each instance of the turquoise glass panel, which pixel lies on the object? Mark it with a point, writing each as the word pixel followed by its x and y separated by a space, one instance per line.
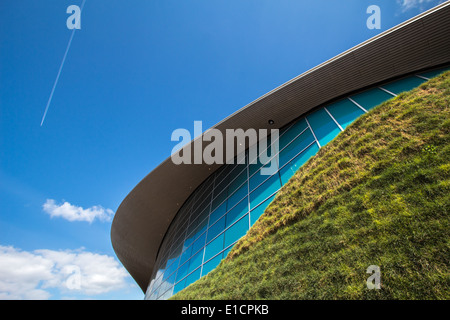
pixel 265 152
pixel 182 271
pixel 237 211
pixel 253 168
pixel 219 212
pixel 296 147
pixel 219 199
pixel 190 239
pixel 292 132
pixel 236 231
pixel 402 85
pixel 290 169
pixel 345 112
pixel 186 255
pixel 434 73
pixel 194 276
pixel 179 286
pixel 171 269
pixel 272 185
pixel 237 196
pixel 171 279
pixel 256 180
pixel 225 252
pixel 211 264
pixel 214 247
pixel 259 210
pixel 199 243
pixel 323 126
pixel 237 183
pixel 371 98
pixel 199 229
pixel 215 229
pixel 195 261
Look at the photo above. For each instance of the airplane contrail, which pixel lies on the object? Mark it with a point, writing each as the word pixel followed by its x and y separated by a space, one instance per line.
pixel 60 68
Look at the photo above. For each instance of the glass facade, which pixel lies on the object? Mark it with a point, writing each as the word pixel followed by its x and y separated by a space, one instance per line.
pixel 223 208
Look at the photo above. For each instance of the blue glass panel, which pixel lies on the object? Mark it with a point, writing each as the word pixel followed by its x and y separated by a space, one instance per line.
pixel 194 276
pixel 176 252
pixel 295 147
pixel 179 286
pixel 190 239
pixel 371 98
pixel 236 231
pixel 434 73
pixel 237 196
pixel 345 112
pixel 171 279
pixel 220 211
pixel 216 228
pixel 290 169
pixel 199 243
pixel 252 168
pixel 195 261
pixel 182 271
pixel 214 247
pixel 236 183
pixel 225 252
pixel 265 190
pixel 402 85
pixel 186 255
pixel 238 211
pixel 292 132
pixel 259 210
pixel 266 153
pixel 323 126
pixel 171 269
pixel 256 180
pixel 200 229
pixel 218 200
pixel 211 264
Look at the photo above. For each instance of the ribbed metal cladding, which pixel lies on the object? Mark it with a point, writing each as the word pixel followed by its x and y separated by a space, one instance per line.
pixel 145 214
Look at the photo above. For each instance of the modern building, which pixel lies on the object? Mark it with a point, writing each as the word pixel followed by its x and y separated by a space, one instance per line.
pixel 180 221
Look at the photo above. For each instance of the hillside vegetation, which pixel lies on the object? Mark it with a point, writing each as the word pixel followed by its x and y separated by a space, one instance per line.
pixel 378 194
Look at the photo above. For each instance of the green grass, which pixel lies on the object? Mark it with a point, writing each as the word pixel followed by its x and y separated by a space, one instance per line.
pixel 378 194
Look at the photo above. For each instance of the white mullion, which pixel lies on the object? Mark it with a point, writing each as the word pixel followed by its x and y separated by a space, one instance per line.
pixel 422 77
pixel 335 121
pixel 387 91
pixel 357 104
pixel 315 138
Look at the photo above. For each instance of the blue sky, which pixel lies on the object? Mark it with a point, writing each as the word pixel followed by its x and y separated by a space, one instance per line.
pixel 135 72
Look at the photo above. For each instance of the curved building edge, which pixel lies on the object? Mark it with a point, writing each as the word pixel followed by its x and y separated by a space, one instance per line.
pixel 144 216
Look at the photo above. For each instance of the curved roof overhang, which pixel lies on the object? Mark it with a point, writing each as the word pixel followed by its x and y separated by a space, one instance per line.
pixel 144 216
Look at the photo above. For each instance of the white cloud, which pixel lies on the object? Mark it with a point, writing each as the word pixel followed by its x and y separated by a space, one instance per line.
pixel 73 213
pixel 37 274
pixel 409 4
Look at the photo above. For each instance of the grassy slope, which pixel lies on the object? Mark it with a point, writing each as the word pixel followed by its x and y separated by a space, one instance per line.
pixel 378 194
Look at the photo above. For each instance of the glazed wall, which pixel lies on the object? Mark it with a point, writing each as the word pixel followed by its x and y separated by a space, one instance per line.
pixel 229 202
